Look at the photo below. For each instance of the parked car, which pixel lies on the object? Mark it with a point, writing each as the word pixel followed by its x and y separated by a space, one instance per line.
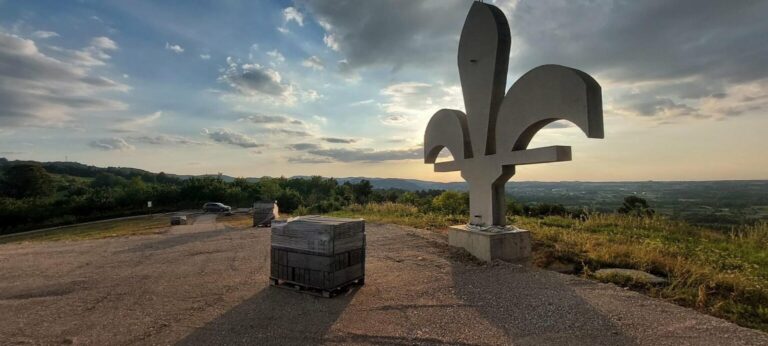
pixel 215 207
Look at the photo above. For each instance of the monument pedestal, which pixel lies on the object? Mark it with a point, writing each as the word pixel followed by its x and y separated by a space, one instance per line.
pixel 507 243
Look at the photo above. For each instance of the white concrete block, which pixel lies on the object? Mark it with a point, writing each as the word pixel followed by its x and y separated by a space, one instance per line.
pixel 509 244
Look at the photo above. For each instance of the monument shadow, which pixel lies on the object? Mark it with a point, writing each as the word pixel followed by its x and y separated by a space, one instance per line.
pixel 533 306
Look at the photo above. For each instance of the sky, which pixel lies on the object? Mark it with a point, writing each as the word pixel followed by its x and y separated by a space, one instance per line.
pixel 346 88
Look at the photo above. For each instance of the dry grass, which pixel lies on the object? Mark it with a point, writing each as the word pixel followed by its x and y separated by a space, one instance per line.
pixel 400 214
pixel 722 274
pixel 139 226
pixel 236 221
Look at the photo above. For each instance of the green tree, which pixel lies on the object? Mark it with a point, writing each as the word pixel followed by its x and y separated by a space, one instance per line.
pixel 288 200
pixel 362 191
pixel 26 180
pixel 270 188
pixel 136 193
pixel 513 207
pixel 105 179
pixel 408 198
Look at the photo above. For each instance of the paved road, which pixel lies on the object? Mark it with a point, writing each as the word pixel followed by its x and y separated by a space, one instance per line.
pixel 205 284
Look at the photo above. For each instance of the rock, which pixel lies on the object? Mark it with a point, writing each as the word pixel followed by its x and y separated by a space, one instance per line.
pixel 621 275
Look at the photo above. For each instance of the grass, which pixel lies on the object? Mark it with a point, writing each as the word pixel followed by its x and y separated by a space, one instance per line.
pixel 724 274
pixel 119 228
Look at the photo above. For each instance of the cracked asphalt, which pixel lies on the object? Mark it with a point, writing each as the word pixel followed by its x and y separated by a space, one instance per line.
pixel 204 284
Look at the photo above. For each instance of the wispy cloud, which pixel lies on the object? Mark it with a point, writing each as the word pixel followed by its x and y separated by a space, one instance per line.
pixel 284 131
pixel 291 14
pixel 368 155
pixel 254 80
pixel 276 56
pixel 227 136
pixel 44 91
pixel 174 48
pixel 44 34
pixel 303 146
pixel 339 140
pixel 271 119
pixel 164 139
pixel 314 63
pixel 111 144
pixel 137 123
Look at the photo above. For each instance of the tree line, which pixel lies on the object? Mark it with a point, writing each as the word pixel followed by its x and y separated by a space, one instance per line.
pixel 33 195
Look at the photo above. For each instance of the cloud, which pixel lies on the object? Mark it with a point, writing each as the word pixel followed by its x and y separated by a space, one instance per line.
pixel 104 43
pixel 254 80
pixel 227 136
pixel 163 139
pixel 320 119
pixel 313 62
pixel 339 140
pixel 331 42
pixel 174 48
pixel 394 120
pixel 93 55
pixel 409 103
pixel 392 33
pixel 276 56
pixel 363 102
pixel 111 144
pixel 309 159
pixel 310 95
pixel 644 104
pixel 271 119
pixel 39 90
pixel 298 133
pixel 677 63
pixel 668 69
pixel 44 34
pixel 292 14
pixel 205 56
pixel 138 123
pixel 369 155
pixel 618 42
pixel 303 146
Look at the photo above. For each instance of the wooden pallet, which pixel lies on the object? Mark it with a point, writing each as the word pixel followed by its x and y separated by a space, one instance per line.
pixel 326 293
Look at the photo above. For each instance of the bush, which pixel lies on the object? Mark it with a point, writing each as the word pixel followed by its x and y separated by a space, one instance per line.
pixel 452 203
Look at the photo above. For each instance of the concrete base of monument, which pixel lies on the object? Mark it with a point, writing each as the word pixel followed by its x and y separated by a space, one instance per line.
pixel 489 243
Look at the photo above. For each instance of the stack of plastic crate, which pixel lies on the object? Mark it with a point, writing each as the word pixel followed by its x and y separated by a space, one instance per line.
pixel 318 253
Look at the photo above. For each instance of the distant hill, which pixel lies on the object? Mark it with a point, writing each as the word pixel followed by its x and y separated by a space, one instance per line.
pixel 699 201
pixel 76 169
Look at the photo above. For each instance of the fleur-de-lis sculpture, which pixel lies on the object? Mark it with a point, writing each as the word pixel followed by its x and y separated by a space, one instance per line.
pixel 492 137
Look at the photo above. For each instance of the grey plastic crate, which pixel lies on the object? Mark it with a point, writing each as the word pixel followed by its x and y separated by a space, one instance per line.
pixel 319 235
pixel 325 273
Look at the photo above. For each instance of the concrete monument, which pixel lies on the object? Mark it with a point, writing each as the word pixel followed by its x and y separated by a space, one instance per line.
pixel 492 137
